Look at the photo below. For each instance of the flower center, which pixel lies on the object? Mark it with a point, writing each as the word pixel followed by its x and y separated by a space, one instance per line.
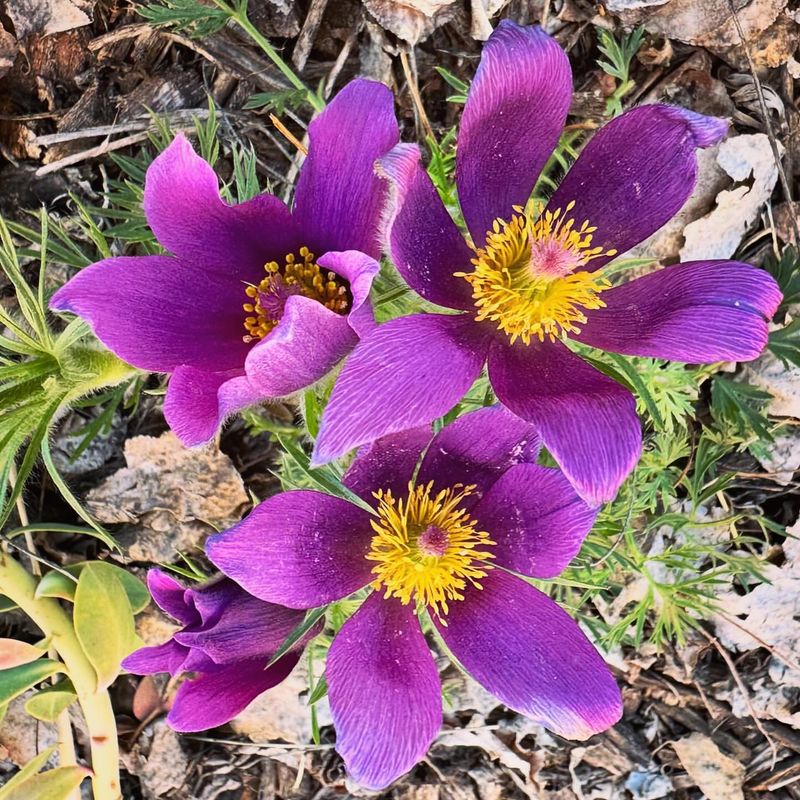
pixel 426 546
pixel 527 278
pixel 303 277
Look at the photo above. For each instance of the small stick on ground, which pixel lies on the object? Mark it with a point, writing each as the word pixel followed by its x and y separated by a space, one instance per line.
pixel 411 80
pixel 745 694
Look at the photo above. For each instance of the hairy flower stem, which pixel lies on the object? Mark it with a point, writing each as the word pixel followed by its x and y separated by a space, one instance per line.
pixel 19 585
pixel 239 15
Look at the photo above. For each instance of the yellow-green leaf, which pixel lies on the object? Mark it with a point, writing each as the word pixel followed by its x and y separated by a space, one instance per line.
pixel 15 681
pixel 47 704
pixel 13 652
pixel 28 771
pixel 56 584
pixel 55 784
pixel 103 621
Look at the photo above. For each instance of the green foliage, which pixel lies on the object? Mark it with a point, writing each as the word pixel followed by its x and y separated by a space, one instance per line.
pixel 786 271
pixel 104 620
pixel 738 409
pixel 785 344
pixel 16 680
pixel 186 16
pixel 454 82
pixel 55 784
pixel 42 372
pixel 619 55
pixel 49 702
pixel 278 101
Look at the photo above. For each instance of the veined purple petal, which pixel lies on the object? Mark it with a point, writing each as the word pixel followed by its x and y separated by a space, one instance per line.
pixel 188 217
pixel 528 652
pixel 338 199
pixel 586 420
pixel 477 448
pixel 157 312
pixel 302 348
pixel 384 692
pixel 214 698
pixel 168 657
pixel 169 596
pixel 635 174
pixel 359 271
pixel 699 311
pixel 387 463
pixel 536 519
pixel 424 243
pixel 405 374
pixel 301 549
pixel 211 599
pixel 248 628
pixel 515 112
pixel 198 402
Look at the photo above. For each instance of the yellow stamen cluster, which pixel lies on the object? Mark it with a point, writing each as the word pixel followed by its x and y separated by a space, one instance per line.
pixel 426 546
pixel 303 277
pixel 526 276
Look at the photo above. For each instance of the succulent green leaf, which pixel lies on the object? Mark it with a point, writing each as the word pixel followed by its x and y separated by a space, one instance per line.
pixel 15 681
pixel 104 621
pixel 14 653
pixel 47 704
pixel 55 784
pixel 56 584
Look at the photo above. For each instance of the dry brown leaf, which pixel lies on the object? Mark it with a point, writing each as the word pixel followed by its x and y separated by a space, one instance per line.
pixel 715 774
pixel 412 20
pixel 771 611
pixel 705 23
pixel 166 766
pixel 783 383
pixel 170 496
pixel 282 712
pixel 748 160
pixel 47 16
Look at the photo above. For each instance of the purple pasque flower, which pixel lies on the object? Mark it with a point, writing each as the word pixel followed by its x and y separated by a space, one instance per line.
pixel 530 277
pixel 479 514
pixel 256 301
pixel 227 639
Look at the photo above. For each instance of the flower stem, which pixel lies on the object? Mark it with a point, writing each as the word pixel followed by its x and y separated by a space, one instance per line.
pixel 239 15
pixel 20 586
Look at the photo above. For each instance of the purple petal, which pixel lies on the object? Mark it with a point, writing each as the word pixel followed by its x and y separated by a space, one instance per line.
pixel 405 374
pixel 359 271
pixel 214 698
pixel 384 692
pixel 247 628
pixel 700 311
pixel 156 312
pixel 536 519
pixel 169 596
pixel 478 448
pixel 528 652
pixel 338 199
pixel 188 217
pixel 211 599
pixel 425 244
pixel 301 549
pixel 515 112
pixel 168 657
pixel 387 463
pixel 635 174
pixel 586 420
pixel 302 348
pixel 198 402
